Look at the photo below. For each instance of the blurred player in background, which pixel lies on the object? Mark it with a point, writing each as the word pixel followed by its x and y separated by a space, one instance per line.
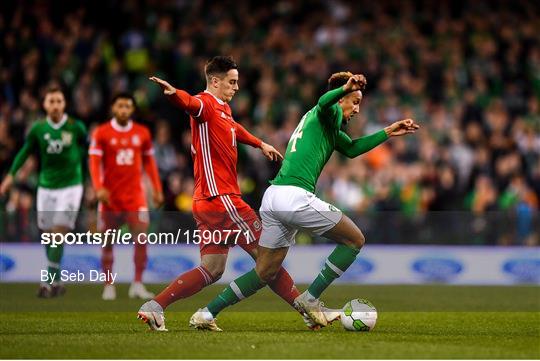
pixel 60 141
pixel 217 199
pixel 290 204
pixel 119 151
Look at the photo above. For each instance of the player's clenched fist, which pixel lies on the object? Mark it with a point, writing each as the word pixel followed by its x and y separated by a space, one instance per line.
pixel 355 82
pixel 168 89
pixel 401 127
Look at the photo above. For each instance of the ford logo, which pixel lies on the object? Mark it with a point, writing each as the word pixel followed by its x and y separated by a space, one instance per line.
pixel 83 264
pixel 437 269
pixel 523 269
pixel 358 270
pixel 167 267
pixel 6 263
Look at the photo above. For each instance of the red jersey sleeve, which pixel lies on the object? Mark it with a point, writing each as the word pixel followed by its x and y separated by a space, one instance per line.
pixel 95 156
pixel 193 105
pixel 246 137
pixel 149 161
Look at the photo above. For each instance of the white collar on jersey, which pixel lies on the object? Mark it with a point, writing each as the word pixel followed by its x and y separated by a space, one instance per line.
pixel 58 125
pixel 120 128
pixel 215 97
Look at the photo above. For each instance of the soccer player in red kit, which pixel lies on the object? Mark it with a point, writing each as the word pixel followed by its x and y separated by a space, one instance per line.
pixel 119 151
pixel 217 199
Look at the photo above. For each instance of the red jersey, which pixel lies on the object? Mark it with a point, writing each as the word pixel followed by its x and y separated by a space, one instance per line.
pixel 122 151
pixel 213 147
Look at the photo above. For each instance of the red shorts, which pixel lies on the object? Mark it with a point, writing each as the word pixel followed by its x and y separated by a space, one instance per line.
pixel 115 215
pixel 228 221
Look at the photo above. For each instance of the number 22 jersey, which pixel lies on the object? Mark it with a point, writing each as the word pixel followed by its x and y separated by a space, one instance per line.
pixel 122 149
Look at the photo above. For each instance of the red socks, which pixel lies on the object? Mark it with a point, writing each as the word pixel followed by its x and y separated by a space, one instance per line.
pixel 107 261
pixel 140 259
pixel 283 285
pixel 187 284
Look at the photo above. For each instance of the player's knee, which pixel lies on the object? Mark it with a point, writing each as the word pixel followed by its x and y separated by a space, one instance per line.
pixel 267 274
pixel 216 271
pixel 358 241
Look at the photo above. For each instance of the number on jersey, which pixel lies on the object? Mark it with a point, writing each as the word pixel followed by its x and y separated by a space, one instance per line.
pixel 124 156
pixel 297 134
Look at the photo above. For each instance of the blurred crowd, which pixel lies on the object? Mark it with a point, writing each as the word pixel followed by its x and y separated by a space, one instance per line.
pixel 468 72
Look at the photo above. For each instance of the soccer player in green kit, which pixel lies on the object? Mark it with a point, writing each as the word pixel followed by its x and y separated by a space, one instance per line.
pixel 290 204
pixel 60 141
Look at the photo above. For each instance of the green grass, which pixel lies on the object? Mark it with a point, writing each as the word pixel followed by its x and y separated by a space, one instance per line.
pixel 414 322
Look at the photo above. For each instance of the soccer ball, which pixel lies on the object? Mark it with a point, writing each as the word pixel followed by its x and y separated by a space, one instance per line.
pixel 358 315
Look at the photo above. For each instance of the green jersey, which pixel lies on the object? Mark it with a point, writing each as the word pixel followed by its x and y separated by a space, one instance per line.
pixel 61 148
pixel 314 140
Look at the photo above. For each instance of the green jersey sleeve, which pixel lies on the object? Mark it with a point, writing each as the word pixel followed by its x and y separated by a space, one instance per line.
pixel 353 148
pixel 30 146
pixel 83 146
pixel 327 105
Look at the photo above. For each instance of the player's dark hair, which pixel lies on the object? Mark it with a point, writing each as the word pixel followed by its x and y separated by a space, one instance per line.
pixel 219 65
pixel 123 95
pixel 338 79
pixel 53 88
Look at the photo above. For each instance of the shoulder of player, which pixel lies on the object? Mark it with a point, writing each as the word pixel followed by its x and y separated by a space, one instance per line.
pixel 39 124
pixel 102 129
pixel 209 99
pixel 72 121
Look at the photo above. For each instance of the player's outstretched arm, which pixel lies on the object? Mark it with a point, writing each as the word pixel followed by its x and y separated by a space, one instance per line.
pixel 181 98
pixel 354 148
pixel 245 137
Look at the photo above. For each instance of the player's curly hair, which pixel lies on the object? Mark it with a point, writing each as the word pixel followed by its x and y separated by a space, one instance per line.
pixel 338 79
pixel 219 65
pixel 124 95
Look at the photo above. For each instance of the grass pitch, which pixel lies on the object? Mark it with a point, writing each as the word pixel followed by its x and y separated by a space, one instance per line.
pixel 414 322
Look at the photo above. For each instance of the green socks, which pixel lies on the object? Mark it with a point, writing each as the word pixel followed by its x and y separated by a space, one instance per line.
pixel 54 257
pixel 242 287
pixel 337 263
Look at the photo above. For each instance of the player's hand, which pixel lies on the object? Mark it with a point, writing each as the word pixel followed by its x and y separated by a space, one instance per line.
pixel 402 127
pixel 355 82
pixel 158 198
pixel 102 195
pixel 6 184
pixel 270 152
pixel 168 89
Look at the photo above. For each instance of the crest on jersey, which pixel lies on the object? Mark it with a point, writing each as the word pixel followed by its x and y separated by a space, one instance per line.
pixel 114 141
pixel 136 140
pixel 67 138
pixel 257 225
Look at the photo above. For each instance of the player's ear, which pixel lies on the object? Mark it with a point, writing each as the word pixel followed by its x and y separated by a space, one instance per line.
pixel 215 81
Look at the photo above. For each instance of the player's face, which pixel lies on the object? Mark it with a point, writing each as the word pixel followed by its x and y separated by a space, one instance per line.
pixel 228 85
pixel 350 104
pixel 122 109
pixel 54 104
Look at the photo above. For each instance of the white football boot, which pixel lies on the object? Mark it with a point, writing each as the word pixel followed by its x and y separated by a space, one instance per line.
pixel 151 313
pixel 137 290
pixel 109 293
pixel 315 310
pixel 203 320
